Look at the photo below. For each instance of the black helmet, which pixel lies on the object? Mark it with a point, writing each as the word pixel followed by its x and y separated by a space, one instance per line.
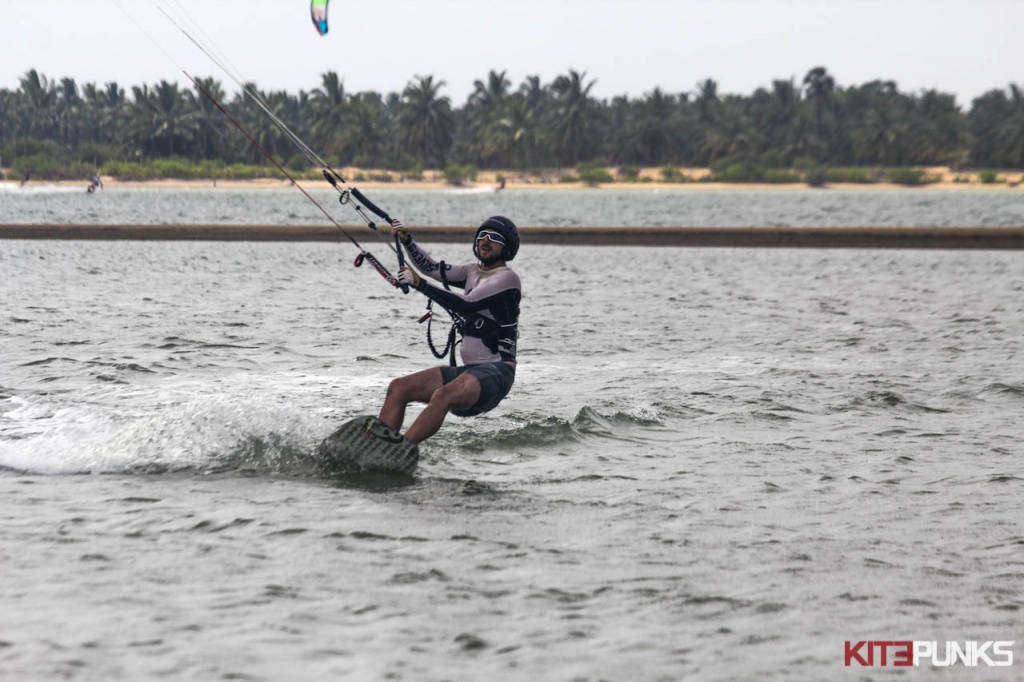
pixel 507 229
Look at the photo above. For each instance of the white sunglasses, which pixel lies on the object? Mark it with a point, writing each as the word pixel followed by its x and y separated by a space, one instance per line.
pixel 493 236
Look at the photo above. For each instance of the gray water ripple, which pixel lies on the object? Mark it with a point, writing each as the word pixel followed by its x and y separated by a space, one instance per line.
pixel 795 207
pixel 760 453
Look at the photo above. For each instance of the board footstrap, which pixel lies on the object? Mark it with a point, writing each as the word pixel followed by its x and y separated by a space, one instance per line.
pixel 366 444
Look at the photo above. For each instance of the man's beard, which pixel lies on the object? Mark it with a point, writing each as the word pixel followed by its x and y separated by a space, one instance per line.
pixel 490 260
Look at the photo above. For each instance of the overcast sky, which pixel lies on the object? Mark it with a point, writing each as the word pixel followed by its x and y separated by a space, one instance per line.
pixel 630 47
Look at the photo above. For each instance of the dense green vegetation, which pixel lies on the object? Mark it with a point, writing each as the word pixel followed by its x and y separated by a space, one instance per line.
pixel 828 133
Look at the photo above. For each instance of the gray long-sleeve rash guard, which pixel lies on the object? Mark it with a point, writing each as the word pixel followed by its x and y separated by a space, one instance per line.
pixel 492 294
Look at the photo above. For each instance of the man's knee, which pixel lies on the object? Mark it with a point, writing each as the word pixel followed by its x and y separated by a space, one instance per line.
pixel 442 396
pixel 413 387
pixel 400 389
pixel 457 395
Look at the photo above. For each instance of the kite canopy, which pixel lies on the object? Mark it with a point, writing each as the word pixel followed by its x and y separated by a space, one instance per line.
pixel 318 11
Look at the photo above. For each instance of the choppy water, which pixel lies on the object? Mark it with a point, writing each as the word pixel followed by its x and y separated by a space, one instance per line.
pixel 716 464
pixel 795 207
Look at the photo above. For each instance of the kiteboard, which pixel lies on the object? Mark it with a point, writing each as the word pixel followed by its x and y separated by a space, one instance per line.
pixel 366 444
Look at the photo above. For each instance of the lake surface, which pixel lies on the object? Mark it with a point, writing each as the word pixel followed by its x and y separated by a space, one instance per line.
pixel 793 207
pixel 715 464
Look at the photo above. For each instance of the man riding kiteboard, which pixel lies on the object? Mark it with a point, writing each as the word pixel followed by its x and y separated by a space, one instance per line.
pixel 489 316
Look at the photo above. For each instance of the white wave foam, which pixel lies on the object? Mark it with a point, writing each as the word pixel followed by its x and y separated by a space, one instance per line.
pixel 471 190
pixel 197 434
pixel 18 188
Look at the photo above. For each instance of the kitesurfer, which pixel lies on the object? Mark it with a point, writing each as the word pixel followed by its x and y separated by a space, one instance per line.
pixel 489 314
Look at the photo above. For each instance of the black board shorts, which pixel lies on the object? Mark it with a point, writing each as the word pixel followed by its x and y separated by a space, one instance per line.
pixel 496 379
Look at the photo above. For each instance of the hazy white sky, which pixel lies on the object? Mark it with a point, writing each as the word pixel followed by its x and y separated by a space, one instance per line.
pixel 965 47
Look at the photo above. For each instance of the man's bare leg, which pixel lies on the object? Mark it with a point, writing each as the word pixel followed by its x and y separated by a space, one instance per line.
pixel 460 394
pixel 413 388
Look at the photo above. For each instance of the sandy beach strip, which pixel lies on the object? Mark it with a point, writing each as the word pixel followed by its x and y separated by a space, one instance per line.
pixel 648 179
pixel 749 237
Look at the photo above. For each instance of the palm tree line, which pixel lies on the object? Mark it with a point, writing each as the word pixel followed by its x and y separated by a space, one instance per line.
pixel 536 125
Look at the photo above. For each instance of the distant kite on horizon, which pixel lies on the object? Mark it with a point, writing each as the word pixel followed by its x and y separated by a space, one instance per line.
pixel 318 11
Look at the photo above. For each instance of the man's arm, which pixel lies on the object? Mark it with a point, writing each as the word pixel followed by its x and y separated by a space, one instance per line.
pixel 453 275
pixel 500 287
